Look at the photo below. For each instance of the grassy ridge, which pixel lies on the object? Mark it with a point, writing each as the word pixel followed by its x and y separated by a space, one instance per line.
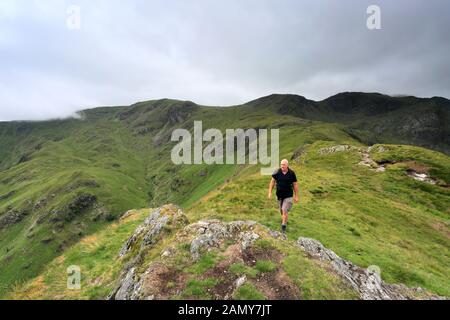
pixel 96 256
pixel 385 219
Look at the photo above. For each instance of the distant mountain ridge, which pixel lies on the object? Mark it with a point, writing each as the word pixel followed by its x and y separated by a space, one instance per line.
pixel 423 122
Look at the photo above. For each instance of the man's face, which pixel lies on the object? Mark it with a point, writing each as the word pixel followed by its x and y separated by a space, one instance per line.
pixel 284 165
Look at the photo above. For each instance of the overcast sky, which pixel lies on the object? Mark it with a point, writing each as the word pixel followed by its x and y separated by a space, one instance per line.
pixel 214 52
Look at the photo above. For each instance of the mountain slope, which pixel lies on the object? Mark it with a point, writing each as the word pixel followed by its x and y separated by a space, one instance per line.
pixel 372 117
pixel 384 218
pixel 64 180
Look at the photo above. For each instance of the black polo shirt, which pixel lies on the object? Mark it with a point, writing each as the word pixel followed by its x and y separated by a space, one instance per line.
pixel 284 183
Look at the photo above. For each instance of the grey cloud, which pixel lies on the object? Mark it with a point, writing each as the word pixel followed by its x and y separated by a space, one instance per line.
pixel 213 52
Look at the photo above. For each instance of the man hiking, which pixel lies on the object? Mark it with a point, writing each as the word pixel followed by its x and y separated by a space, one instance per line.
pixel 286 180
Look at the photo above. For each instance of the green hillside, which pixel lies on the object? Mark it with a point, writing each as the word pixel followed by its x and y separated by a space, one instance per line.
pixel 385 218
pixel 65 183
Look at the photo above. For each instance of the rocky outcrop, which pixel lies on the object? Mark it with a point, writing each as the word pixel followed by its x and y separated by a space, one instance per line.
pixel 149 230
pixel 148 280
pixel 128 288
pixel 420 176
pixel 367 282
pixel 81 203
pixel 364 153
pixel 368 161
pixel 337 148
pixel 180 250
pixel 211 233
pixel 41 203
pixel 412 167
pixel 145 235
pixel 12 216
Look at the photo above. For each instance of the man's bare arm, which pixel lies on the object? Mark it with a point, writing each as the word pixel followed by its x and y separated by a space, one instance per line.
pixel 271 185
pixel 295 191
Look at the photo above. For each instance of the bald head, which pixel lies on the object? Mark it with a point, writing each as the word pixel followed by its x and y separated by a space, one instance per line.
pixel 284 164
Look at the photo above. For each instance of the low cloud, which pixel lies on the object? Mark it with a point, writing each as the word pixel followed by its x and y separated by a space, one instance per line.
pixel 214 53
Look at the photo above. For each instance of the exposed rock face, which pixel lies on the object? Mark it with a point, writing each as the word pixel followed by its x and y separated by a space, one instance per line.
pixel 129 284
pixel 152 226
pixel 169 272
pixel 420 176
pixel 205 235
pixel 366 282
pixel 338 148
pixel 212 232
pixel 129 287
pixel 364 153
pixel 148 280
pixel 12 216
pixel 367 160
pixel 82 203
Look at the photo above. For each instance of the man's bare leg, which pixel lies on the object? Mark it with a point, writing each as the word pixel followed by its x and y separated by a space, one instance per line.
pixel 284 219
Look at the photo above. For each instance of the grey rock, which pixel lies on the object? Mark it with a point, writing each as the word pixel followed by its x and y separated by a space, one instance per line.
pixel 12 217
pixel 423 177
pixel 151 228
pixel 211 233
pixel 240 281
pixel 338 148
pixel 135 281
pixel 40 203
pixel 366 282
pixel 131 240
pixel 127 288
pixel 81 203
pixel 154 230
pixel 129 283
pixel 167 252
pixel 247 238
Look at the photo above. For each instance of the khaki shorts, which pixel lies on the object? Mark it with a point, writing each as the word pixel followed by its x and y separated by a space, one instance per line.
pixel 285 204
